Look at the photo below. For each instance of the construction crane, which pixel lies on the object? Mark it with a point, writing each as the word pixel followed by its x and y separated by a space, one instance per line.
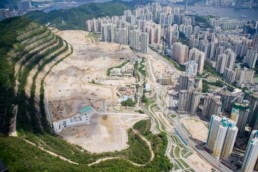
pixel 237 97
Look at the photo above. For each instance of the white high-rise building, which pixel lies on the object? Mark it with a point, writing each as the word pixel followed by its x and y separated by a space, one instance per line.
pixel 221 137
pixel 191 68
pixel 197 56
pixel 180 52
pixel 254 134
pixel 251 155
pixel 229 142
pixel 219 142
pixel 213 128
pixel 251 57
pixel 221 62
pixel 226 60
pixel 134 39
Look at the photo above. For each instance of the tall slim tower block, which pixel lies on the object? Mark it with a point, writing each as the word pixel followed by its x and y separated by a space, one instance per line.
pixel 229 141
pixel 221 137
pixel 251 155
pixel 219 142
pixel 213 128
pixel 239 114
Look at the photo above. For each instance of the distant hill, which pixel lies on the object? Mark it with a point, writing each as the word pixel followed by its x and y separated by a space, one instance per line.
pixel 74 19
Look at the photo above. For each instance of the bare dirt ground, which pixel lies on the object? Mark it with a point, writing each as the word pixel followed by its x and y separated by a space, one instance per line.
pixel 196 128
pixel 68 88
pixel 199 163
pixel 105 133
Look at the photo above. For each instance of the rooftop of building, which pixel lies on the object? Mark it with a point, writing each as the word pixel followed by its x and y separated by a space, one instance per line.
pixel 226 122
pixel 86 109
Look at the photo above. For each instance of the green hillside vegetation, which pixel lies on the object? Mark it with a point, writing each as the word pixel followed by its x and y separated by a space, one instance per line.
pixel 21 51
pixel 14 152
pixel 7 80
pixel 116 67
pixel 75 18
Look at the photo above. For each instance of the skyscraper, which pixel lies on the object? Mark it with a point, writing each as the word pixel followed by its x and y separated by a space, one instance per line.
pixel 219 142
pixel 239 114
pixel 191 68
pixel 180 52
pixel 197 56
pixel 212 106
pixel 221 62
pixel 213 128
pixel 221 137
pixel 251 155
pixel 144 43
pixel 188 101
pixel 229 141
pixel 134 39
pixel 251 57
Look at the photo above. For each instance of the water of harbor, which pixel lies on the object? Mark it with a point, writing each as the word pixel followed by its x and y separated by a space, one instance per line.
pixel 244 14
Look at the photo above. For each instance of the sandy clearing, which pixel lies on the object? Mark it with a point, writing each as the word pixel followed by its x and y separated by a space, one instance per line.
pixel 68 88
pixel 197 128
pixel 199 163
pixel 104 134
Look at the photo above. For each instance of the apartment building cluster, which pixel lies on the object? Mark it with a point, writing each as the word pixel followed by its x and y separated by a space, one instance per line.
pixel 227 23
pixel 232 55
pixel 23 7
pixel 161 27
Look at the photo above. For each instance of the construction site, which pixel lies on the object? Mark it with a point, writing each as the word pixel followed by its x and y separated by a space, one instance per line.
pixel 90 109
pixel 85 109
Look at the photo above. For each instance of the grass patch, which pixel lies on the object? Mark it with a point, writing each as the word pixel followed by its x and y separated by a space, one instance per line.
pixel 211 70
pixel 184 163
pixel 129 102
pixel 119 66
pixel 13 151
pixel 94 82
pixel 95 36
pixel 177 150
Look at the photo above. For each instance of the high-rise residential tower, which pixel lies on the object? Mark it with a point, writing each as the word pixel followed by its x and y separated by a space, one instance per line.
pixel 221 137
pixel 251 155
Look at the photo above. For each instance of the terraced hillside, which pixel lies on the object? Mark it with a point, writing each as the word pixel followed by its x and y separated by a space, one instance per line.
pixel 28 52
pixel 27 55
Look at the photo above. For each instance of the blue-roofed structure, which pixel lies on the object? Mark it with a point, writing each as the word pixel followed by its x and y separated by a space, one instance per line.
pixel 86 109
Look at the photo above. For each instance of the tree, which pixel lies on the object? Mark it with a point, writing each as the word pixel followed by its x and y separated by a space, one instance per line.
pixel 129 102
